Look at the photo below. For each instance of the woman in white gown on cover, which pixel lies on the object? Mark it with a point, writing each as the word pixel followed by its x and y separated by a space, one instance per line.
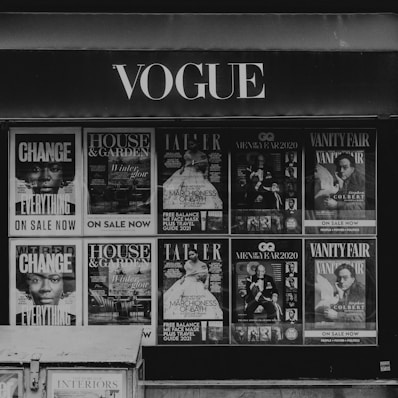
pixel 189 297
pixel 189 187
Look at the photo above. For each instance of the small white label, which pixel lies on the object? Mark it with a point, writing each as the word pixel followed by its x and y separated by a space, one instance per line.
pixel 385 366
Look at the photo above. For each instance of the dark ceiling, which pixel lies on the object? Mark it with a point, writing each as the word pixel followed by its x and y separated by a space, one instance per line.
pixel 203 6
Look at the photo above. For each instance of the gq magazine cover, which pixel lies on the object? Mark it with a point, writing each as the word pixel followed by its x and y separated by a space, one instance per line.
pixel 45 184
pixel 267 291
pixel 340 293
pixel 87 383
pixel 119 181
pixel 192 181
pixel 266 180
pixel 121 283
pixel 193 284
pixel 340 184
pixel 45 282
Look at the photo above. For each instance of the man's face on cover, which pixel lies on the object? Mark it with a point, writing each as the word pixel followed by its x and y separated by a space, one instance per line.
pixel 45 289
pixel 344 168
pixel 345 279
pixel 260 271
pixel 45 177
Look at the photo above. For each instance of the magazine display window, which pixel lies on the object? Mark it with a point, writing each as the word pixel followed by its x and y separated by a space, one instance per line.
pixel 279 295
pixel 195 198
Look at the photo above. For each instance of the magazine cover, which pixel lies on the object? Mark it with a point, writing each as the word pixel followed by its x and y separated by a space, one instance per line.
pixel 45 184
pixel 121 283
pixel 119 181
pixel 192 181
pixel 266 178
pixel 340 187
pixel 267 291
pixel 193 284
pixel 340 291
pixel 11 385
pixel 45 282
pixel 84 383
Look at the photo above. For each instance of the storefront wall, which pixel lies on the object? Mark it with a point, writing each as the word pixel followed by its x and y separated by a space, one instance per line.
pixel 262 94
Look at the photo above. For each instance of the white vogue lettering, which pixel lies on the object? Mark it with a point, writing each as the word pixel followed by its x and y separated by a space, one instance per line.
pixel 246 81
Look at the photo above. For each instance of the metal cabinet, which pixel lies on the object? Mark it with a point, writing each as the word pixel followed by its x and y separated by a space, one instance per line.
pixel 67 362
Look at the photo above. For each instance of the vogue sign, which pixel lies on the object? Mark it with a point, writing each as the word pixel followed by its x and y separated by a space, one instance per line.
pixel 195 84
pixel 194 80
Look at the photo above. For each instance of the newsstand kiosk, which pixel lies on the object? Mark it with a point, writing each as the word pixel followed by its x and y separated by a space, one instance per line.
pixel 260 148
pixel 87 363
